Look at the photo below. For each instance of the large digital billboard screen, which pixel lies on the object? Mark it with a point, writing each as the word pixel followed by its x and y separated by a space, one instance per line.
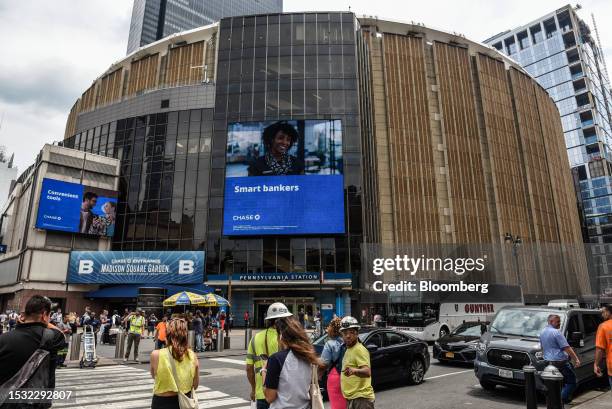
pixel 76 208
pixel 284 177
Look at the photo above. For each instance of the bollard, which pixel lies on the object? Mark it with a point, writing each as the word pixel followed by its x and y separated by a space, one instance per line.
pixel 220 341
pixel 553 380
pixel 248 334
pixel 120 344
pixel 191 339
pixel 531 396
pixel 75 347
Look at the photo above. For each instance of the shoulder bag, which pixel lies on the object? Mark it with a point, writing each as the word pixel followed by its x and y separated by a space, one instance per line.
pixel 185 402
pixel 316 400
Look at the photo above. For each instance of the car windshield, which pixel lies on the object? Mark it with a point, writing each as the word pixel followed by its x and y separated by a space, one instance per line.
pixel 468 330
pixel 525 323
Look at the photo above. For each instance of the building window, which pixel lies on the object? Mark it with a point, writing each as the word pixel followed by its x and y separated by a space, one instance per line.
pixel 550 27
pixel 523 39
pixel 510 45
pixel 536 33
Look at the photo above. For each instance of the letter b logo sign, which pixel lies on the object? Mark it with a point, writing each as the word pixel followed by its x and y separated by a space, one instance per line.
pixel 85 266
pixel 186 266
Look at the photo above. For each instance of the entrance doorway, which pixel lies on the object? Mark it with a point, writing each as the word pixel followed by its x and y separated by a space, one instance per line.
pixel 294 304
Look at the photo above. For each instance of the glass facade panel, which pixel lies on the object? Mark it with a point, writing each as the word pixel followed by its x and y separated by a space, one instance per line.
pixel 296 55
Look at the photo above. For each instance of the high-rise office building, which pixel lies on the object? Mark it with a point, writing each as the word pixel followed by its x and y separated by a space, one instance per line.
pixel 563 54
pixel 156 19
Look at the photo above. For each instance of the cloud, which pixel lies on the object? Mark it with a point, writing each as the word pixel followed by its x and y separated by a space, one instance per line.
pixel 53 50
pixel 51 53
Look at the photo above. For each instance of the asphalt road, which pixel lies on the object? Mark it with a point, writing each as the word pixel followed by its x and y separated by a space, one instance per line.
pixel 224 385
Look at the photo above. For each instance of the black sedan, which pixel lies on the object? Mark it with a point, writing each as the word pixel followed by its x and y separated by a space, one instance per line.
pixel 394 356
pixel 460 344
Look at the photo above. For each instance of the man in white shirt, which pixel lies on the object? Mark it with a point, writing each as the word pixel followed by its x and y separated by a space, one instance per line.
pixel 57 317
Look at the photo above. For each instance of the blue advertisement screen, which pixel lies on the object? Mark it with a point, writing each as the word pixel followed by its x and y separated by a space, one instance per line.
pixel 76 208
pixel 136 267
pixel 284 177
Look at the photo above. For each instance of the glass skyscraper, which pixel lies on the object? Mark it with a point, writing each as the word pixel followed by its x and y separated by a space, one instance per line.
pixel 562 52
pixel 156 19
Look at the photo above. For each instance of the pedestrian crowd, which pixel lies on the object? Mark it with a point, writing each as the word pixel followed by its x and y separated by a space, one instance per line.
pixel 284 370
pixel 558 352
pixel 282 367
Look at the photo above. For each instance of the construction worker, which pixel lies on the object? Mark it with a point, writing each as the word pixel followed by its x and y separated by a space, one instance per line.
pixel 356 377
pixel 262 345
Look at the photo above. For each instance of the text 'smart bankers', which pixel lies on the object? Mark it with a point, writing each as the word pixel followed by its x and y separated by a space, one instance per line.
pixel 266 188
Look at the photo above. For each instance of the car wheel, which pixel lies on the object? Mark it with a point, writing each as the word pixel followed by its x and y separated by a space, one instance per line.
pixel 487 386
pixel 416 372
pixel 443 332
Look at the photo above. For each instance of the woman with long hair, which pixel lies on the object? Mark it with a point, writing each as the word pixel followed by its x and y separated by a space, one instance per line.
pixel 287 373
pixel 177 354
pixel 331 356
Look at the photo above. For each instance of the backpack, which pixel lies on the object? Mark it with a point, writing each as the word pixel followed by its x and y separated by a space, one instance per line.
pixel 338 362
pixel 34 374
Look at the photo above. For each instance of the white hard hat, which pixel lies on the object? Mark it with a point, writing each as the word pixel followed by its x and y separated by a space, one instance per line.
pixel 277 310
pixel 349 322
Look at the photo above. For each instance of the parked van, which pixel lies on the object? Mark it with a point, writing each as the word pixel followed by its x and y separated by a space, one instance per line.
pixel 513 341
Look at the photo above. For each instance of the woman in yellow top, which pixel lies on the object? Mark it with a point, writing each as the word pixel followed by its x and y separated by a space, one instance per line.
pixel 165 390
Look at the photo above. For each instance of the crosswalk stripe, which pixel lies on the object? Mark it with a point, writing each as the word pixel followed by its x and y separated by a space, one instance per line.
pixel 105 375
pixel 122 398
pixel 126 389
pixel 108 375
pixel 105 368
pixel 122 387
pixel 104 385
pixel 229 361
pixel 221 402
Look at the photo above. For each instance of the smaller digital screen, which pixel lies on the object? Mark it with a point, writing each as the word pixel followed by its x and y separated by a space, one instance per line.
pixel 76 208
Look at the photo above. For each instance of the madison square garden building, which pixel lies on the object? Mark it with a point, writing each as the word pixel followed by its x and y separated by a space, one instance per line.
pixel 391 135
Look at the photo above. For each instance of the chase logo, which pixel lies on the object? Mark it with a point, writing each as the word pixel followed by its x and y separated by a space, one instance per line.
pixel 85 267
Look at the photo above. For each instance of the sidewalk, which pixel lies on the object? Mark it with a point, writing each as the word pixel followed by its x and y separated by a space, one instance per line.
pixel 595 400
pixel 106 353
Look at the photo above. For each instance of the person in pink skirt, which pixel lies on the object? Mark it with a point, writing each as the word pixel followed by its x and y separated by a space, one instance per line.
pixel 332 357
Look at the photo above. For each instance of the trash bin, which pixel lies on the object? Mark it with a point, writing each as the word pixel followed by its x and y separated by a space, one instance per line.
pixel 226 342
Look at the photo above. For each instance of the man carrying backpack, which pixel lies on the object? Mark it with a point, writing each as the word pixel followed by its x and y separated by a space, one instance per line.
pixel 18 345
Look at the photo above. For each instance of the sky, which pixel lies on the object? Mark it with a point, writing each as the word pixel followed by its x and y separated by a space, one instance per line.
pixel 53 50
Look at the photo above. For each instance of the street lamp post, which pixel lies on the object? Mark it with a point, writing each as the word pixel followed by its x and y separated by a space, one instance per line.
pixel 516 241
pixel 321 278
pixel 229 284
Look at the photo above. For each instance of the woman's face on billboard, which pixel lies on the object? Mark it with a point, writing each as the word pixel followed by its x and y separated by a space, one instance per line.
pixel 108 208
pixel 281 143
